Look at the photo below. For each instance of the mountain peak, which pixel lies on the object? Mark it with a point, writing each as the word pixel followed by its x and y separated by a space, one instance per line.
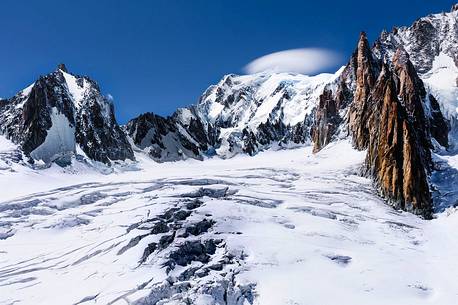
pixel 62 67
pixel 454 7
pixel 362 36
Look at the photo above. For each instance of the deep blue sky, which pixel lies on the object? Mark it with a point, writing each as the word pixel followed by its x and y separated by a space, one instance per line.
pixel 160 55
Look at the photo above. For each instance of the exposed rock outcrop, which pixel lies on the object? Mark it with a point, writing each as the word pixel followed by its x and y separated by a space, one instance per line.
pixel 396 157
pixel 180 136
pixel 439 126
pixel 327 120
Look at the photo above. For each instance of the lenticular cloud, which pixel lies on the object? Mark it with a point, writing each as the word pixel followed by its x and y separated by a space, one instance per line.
pixel 304 61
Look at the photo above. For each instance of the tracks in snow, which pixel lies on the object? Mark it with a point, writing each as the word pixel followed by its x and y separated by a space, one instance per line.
pixel 231 235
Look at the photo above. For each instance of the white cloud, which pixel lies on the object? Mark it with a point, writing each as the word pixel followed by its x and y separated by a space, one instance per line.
pixel 304 61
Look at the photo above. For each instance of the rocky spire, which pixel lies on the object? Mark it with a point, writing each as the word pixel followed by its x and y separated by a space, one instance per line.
pixel 62 67
pixel 454 7
pixel 360 74
pixel 397 156
pixel 327 120
pixel 383 101
pixel 412 93
pixel 365 79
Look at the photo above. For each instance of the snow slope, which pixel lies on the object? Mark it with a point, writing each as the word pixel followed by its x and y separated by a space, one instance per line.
pixel 59 141
pixel 284 227
pixel 441 81
pixel 78 87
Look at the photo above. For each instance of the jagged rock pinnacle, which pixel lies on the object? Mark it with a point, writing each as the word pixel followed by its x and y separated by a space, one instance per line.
pixel 62 67
pixel 454 7
pixel 362 35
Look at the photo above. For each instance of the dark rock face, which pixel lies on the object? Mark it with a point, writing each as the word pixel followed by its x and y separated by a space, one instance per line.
pixel 62 67
pixel 58 112
pixel 438 124
pixel 360 109
pixel 386 117
pixel 97 131
pixel 424 40
pixel 327 115
pixel 327 120
pixel 171 138
pixel 26 118
pixel 396 156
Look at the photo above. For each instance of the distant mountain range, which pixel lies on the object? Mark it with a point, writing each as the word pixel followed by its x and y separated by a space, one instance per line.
pixel 396 99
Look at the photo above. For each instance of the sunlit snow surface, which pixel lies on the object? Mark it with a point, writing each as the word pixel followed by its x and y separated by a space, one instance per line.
pixel 441 81
pixel 78 91
pixel 291 228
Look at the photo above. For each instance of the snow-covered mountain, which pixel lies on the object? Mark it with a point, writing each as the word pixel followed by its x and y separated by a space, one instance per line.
pixel 250 113
pixel 61 115
pixel 411 69
pixel 264 226
pixel 241 114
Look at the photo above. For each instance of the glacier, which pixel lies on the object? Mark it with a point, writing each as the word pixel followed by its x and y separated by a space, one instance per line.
pixel 281 227
pixel 236 219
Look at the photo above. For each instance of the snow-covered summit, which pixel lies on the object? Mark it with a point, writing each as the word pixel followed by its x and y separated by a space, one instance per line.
pixel 78 87
pixel 242 113
pixel 59 113
pixel 249 100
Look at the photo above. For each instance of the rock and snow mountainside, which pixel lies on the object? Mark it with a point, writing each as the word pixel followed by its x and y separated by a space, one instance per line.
pixel 297 226
pixel 385 108
pixel 241 114
pixel 432 44
pixel 61 114
pixel 396 99
pixel 399 100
